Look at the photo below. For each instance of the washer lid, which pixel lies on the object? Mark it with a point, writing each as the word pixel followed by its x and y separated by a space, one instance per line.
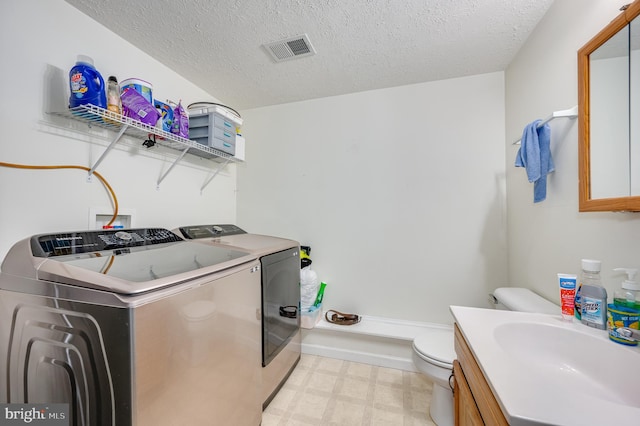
pixel 127 262
pixel 436 344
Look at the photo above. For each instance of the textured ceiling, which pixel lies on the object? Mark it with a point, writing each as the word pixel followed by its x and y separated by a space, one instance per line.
pixel 361 44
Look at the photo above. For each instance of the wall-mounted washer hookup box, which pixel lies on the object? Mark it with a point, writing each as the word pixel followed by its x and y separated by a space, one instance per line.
pixel 214 130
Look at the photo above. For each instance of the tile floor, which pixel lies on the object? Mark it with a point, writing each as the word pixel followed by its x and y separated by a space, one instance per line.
pixel 326 391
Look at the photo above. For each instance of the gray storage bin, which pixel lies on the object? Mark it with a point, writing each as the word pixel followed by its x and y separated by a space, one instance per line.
pixel 213 130
pixel 223 123
pixel 219 144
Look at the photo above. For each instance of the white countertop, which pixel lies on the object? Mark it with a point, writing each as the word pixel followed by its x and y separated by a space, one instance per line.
pixel 540 377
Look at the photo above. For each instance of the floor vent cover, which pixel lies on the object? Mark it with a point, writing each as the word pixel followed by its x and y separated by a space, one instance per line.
pixel 290 48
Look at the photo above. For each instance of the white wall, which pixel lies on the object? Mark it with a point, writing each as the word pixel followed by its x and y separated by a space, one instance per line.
pixel 43 35
pixel 399 192
pixel 551 237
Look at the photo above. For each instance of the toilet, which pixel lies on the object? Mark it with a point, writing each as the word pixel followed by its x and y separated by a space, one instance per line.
pixel 433 351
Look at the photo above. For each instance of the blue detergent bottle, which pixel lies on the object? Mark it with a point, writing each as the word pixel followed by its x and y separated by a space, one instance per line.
pixel 86 84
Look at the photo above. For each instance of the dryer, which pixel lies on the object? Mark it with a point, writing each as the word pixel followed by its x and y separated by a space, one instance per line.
pixel 132 327
pixel 280 272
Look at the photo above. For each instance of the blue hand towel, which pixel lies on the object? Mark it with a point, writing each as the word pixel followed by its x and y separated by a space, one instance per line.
pixel 535 156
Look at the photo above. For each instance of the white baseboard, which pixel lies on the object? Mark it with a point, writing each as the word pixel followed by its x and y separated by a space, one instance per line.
pixel 399 363
pixel 383 342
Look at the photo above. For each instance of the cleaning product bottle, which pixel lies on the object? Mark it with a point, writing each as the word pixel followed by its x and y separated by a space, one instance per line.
pixel 114 103
pixel 320 296
pixel 629 294
pixel 308 288
pixel 594 306
pixel 593 297
pixel 86 84
pixel 590 275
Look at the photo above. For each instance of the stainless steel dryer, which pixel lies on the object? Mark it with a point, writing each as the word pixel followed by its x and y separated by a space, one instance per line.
pixel 135 327
pixel 280 266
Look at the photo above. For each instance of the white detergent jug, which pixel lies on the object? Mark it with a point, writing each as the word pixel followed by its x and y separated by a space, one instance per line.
pixel 308 288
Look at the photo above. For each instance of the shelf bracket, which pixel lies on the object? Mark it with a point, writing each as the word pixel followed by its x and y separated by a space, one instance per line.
pixel 106 151
pixel 177 160
pixel 218 170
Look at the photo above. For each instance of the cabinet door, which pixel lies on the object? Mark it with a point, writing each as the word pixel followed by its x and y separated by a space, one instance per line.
pixel 466 411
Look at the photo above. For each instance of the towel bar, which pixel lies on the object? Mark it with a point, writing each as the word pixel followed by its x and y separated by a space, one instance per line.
pixel 568 113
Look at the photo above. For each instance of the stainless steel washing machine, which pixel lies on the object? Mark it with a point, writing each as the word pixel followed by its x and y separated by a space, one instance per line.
pixel 280 266
pixel 135 327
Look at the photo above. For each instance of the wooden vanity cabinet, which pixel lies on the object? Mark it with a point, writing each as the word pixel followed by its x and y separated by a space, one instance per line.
pixel 474 403
pixel 465 408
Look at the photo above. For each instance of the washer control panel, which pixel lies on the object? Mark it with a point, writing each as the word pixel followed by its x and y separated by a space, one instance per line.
pixel 93 241
pixel 210 231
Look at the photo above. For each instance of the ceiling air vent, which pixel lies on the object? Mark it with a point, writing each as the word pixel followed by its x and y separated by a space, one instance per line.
pixel 290 48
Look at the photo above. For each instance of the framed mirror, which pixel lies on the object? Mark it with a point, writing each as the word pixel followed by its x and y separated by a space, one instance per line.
pixel 609 116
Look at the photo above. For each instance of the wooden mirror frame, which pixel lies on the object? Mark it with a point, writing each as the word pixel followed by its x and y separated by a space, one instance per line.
pixel 586 203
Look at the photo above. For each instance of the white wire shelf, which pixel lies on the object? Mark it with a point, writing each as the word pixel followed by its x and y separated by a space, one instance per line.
pixel 96 116
pixel 100 117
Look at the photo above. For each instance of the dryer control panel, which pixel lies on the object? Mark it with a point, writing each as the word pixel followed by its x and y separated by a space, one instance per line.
pixel 210 231
pixel 93 241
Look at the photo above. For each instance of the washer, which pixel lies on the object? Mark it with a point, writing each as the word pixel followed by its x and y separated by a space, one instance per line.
pixel 135 327
pixel 280 266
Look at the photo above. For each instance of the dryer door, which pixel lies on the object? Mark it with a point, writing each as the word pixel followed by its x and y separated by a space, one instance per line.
pixel 280 301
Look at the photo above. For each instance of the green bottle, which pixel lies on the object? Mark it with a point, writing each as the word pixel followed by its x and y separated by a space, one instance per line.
pixel 629 295
pixel 320 295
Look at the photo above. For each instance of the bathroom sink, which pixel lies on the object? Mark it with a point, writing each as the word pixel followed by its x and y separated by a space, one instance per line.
pixel 581 362
pixel 546 371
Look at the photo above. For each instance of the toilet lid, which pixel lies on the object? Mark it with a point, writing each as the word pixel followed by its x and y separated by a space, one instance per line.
pixel 436 344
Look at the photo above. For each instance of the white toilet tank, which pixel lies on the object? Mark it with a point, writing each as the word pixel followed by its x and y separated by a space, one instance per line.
pixel 523 300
